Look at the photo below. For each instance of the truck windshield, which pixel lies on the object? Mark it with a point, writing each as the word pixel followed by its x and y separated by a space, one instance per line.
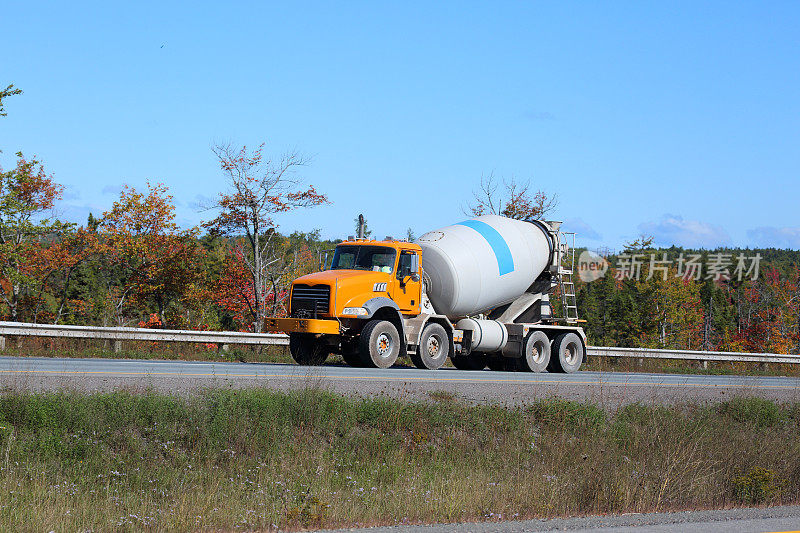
pixel 375 258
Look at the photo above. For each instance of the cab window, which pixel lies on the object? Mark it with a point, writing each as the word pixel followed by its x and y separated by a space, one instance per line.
pixel 407 264
pixel 374 258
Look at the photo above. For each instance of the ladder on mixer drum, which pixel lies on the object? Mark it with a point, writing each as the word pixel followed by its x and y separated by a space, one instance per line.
pixel 568 301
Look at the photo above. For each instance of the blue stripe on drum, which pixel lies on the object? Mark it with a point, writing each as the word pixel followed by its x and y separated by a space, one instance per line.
pixel 499 246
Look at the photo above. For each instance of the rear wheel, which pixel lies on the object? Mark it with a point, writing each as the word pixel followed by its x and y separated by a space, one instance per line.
pixel 307 349
pixel 473 361
pixel 434 346
pixel 566 353
pixel 537 352
pixel 379 344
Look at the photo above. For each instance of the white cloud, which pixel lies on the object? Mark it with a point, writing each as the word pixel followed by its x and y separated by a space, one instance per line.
pixel 70 194
pixel 112 189
pixel 581 229
pixel 772 237
pixel 674 230
pixel 77 213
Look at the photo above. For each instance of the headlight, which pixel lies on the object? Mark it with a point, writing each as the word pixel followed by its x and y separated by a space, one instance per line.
pixel 357 311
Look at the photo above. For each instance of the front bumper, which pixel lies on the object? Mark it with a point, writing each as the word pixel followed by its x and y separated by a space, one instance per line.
pixel 302 325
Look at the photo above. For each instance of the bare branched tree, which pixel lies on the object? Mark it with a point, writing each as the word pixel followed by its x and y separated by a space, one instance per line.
pixel 258 189
pixel 511 199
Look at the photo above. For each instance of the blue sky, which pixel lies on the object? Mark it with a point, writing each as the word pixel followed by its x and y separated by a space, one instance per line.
pixel 676 119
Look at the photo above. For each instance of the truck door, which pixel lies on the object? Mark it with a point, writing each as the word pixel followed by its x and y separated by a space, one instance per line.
pixel 408 284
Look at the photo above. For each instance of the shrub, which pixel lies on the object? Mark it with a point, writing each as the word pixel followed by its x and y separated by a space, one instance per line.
pixel 756 411
pixel 759 485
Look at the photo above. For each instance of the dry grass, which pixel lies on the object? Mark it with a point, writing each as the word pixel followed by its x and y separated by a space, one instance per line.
pixel 257 460
pixel 186 351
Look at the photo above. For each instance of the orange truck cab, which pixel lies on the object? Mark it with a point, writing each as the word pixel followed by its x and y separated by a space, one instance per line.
pixel 361 306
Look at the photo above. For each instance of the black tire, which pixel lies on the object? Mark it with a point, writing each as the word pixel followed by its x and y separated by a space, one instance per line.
pixel 473 361
pixel 352 358
pixel 433 349
pixel 498 363
pixel 566 353
pixel 379 344
pixel 537 353
pixel 308 350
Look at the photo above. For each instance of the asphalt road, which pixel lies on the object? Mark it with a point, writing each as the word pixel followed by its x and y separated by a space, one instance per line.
pixel 607 388
pixel 784 519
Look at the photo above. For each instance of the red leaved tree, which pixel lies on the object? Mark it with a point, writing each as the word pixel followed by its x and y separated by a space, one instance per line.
pixel 259 189
pixel 54 263
pixel 149 259
pixel 27 196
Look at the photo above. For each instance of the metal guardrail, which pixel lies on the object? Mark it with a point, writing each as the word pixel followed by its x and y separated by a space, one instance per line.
pixel 223 338
pixel 692 355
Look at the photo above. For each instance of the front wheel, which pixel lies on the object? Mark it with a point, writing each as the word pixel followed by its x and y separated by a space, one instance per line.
pixel 434 346
pixel 566 353
pixel 308 350
pixel 379 344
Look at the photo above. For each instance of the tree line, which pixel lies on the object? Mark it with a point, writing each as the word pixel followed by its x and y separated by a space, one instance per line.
pixel 676 309
pixel 134 266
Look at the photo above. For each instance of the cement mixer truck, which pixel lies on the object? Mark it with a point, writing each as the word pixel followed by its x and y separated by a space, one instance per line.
pixel 477 292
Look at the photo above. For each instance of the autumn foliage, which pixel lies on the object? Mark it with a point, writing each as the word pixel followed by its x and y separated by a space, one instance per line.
pixel 263 261
pixel 135 266
pixel 680 312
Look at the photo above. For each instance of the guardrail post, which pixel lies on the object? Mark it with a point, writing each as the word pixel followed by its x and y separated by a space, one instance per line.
pixel 2 343
pixel 117 346
pixel 705 365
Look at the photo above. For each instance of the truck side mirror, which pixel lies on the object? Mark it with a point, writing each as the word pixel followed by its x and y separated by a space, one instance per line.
pixel 413 277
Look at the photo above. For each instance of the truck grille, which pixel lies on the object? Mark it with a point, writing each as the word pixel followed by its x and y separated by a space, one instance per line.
pixel 308 301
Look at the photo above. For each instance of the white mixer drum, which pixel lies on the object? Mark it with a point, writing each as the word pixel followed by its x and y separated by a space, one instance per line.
pixel 482 263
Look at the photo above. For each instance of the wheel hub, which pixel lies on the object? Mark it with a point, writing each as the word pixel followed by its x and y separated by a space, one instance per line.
pixel 384 344
pixel 569 354
pixel 537 354
pixel 433 346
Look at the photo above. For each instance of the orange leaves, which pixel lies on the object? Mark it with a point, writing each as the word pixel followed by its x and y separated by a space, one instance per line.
pixel 137 214
pixel 154 322
pixel 154 261
pixel 27 194
pixel 30 185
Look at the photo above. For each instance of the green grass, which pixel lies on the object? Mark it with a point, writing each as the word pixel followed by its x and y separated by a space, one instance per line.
pixel 260 460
